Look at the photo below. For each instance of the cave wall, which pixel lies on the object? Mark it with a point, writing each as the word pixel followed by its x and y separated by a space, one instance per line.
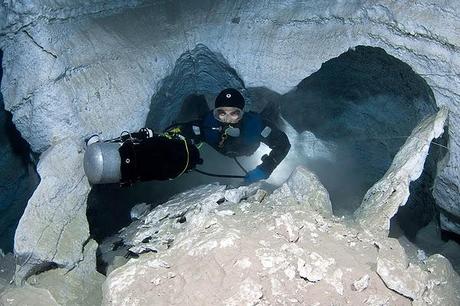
pixel 98 70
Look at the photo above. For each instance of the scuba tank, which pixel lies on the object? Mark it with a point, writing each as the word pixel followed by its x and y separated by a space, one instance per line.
pixel 102 163
pixel 142 156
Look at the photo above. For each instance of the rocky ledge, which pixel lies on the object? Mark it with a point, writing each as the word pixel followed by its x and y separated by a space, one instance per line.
pixel 283 248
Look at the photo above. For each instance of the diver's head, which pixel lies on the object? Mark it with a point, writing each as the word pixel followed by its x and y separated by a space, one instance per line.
pixel 229 106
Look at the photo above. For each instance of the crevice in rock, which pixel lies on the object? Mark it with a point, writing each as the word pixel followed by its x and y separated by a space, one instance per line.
pixel 420 208
pixel 38 45
pixel 38 268
pixel 18 178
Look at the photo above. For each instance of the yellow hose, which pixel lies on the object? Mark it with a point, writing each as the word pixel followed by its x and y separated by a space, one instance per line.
pixel 188 157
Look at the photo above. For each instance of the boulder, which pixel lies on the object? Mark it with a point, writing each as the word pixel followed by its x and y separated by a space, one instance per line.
pixel 274 251
pixel 399 275
pixel 79 286
pixel 53 228
pixel 308 190
pixel 443 283
pixel 157 230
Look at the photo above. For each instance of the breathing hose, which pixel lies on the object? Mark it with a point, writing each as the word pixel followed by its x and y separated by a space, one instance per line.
pixel 219 175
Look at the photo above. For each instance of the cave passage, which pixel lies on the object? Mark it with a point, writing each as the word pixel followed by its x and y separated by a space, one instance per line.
pixel 363 104
pixel 367 103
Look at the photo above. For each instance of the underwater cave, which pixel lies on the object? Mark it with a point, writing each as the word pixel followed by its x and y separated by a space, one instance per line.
pixel 360 107
pixel 362 90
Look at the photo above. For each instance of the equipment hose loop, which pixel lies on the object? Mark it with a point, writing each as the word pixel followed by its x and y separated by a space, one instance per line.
pixel 188 157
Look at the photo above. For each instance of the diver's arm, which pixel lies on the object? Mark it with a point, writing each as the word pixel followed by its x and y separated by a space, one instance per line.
pixel 279 144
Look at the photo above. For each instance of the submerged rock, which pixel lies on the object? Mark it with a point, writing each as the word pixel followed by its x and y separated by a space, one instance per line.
pixel 54 228
pixel 277 251
pixel 68 86
pixel 158 229
pixel 79 286
pixel 382 201
pixel 398 275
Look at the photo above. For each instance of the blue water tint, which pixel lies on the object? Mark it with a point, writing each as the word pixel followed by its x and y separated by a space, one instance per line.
pixel 18 178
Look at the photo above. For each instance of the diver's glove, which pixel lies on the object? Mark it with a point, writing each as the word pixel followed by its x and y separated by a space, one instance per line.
pixel 256 175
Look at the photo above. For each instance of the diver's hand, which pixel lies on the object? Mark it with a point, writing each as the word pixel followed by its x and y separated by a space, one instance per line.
pixel 256 175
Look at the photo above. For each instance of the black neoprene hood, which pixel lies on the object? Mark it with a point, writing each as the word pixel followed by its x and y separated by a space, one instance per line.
pixel 230 97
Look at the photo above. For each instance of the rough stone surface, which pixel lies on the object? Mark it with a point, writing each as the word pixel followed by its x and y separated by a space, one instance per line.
pixel 306 188
pixel 158 229
pixel 237 194
pixel 16 15
pixel 79 287
pixel 382 201
pixel 443 283
pixel 53 228
pixel 448 223
pixel 198 70
pixel 400 276
pixel 27 296
pixel 275 252
pixel 361 284
pixel 70 77
pixel 7 265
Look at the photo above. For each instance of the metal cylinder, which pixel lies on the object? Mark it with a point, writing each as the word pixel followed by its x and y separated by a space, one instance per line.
pixel 102 163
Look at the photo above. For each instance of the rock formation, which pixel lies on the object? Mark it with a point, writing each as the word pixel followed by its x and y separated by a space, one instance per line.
pixel 284 248
pixel 384 198
pixel 54 229
pixel 78 286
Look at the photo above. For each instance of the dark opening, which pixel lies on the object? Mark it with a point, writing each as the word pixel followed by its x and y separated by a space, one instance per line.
pixel 18 178
pixel 366 102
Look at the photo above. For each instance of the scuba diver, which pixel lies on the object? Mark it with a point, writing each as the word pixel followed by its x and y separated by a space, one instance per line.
pixel 234 133
pixel 144 155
